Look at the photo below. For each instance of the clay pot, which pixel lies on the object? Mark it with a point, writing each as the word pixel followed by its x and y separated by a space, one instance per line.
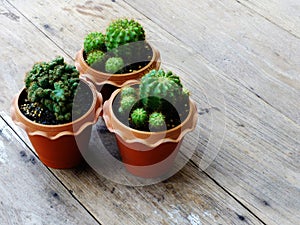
pixel 148 154
pixel 58 145
pixel 106 83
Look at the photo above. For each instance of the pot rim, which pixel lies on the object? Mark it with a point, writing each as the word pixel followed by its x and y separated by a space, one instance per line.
pixel 185 126
pixel 57 130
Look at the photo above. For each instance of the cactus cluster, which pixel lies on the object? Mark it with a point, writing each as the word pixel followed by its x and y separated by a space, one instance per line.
pixel 155 104
pixel 119 41
pixel 53 85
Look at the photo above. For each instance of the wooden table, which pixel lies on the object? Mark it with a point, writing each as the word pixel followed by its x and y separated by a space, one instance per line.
pixel 241 61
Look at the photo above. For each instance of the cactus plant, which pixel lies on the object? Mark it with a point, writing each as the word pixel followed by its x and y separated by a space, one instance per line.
pixel 127 103
pixel 114 64
pixel 94 41
pixel 53 86
pixel 139 117
pixel 158 103
pixel 94 57
pixel 158 85
pixel 123 31
pixel 128 91
pixel 156 121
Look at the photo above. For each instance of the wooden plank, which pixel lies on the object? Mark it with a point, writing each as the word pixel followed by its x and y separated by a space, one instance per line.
pixel 30 194
pixel 283 13
pixel 188 197
pixel 247 48
pixel 254 129
pixel 21 46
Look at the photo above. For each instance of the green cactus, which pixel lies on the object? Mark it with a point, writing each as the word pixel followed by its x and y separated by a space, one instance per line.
pixel 158 85
pixel 128 91
pixel 123 31
pixel 94 41
pixel 139 117
pixel 53 85
pixel 160 102
pixel 127 103
pixel 156 121
pixel 94 57
pixel 114 64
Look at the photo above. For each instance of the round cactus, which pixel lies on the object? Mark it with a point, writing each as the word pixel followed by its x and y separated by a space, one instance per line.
pixel 127 103
pixel 123 31
pixel 156 120
pixel 114 64
pixel 94 57
pixel 128 91
pixel 139 117
pixel 94 41
pixel 158 85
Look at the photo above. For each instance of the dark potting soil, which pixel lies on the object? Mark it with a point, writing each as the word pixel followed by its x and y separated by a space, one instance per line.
pixel 174 115
pixel 38 113
pixel 133 61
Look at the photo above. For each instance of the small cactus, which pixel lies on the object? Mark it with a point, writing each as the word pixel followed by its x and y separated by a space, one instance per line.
pixel 123 31
pixel 128 91
pixel 139 117
pixel 94 57
pixel 114 64
pixel 127 103
pixel 94 41
pixel 156 121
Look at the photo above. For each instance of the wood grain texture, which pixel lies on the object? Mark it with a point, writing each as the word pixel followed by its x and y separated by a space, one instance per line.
pixel 188 197
pixel 250 50
pixel 257 135
pixel 21 45
pixel 30 194
pixel 282 13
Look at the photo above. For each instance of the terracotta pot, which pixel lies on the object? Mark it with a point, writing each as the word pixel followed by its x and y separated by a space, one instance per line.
pixel 106 83
pixel 58 145
pixel 148 154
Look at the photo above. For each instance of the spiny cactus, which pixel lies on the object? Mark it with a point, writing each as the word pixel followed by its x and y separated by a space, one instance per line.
pixel 53 85
pixel 139 117
pixel 114 64
pixel 128 91
pixel 94 41
pixel 123 31
pixel 94 57
pixel 158 85
pixel 127 103
pixel 156 120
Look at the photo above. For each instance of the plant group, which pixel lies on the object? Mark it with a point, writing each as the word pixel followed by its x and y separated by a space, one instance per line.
pixel 159 102
pixel 51 87
pixel 122 44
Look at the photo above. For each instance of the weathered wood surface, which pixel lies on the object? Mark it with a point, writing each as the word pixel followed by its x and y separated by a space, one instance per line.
pixel 282 13
pixel 189 197
pixel 30 193
pixel 21 45
pixel 259 159
pixel 250 50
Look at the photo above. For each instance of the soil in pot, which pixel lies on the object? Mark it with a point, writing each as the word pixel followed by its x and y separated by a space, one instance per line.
pixel 36 112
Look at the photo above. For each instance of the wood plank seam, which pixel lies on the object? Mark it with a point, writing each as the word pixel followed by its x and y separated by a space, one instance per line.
pixel 50 171
pixel 269 20
pixel 57 45
pixel 214 67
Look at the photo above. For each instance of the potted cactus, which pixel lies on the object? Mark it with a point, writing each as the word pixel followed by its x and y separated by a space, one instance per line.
pixel 150 117
pixel 57 108
pixel 119 55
